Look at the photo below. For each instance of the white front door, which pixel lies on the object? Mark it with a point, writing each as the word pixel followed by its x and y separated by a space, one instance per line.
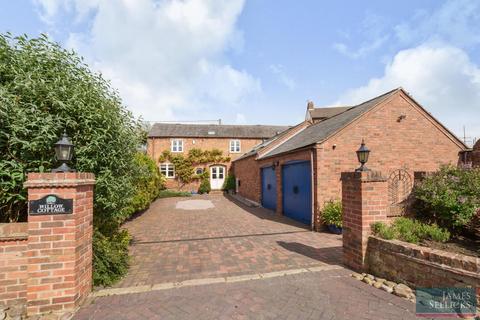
pixel 217 177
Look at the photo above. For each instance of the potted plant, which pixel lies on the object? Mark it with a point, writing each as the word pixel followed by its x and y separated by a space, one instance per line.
pixel 332 216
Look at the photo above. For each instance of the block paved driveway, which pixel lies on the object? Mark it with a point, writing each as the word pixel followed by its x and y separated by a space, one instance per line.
pixel 320 295
pixel 232 240
pixel 172 244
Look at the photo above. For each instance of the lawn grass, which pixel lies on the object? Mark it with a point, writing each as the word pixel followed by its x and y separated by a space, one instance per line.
pixel 173 193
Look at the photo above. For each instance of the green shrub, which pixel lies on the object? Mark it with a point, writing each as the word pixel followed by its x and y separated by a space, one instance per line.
pixel 45 90
pixel 205 183
pixel 148 182
pixel 410 230
pixel 110 257
pixel 449 197
pixel 173 193
pixel 332 213
pixel 383 231
pixel 229 183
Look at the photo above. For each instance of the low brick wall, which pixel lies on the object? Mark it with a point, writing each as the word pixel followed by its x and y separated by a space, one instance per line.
pixel 13 267
pixel 421 266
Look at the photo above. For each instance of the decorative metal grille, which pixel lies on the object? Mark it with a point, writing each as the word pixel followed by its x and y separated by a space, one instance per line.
pixel 399 188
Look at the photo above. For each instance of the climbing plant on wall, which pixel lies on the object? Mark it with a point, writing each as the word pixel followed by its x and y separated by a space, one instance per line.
pixel 185 165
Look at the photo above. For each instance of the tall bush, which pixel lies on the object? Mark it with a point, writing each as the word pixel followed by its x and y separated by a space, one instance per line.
pixel 449 197
pixel 148 182
pixel 205 186
pixel 45 90
pixel 229 183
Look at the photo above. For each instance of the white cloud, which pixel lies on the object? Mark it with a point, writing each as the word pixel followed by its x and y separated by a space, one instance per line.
pixel 362 51
pixel 165 57
pixel 372 30
pixel 442 78
pixel 279 71
pixel 456 22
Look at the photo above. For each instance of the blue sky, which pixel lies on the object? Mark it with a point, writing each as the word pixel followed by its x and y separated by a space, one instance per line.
pixel 259 61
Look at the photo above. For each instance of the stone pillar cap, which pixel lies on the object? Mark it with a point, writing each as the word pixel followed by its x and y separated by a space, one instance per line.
pixel 59 179
pixel 364 176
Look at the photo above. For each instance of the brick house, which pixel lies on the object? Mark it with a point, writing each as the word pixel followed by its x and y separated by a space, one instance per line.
pixel 232 140
pixel 296 172
pixel 475 154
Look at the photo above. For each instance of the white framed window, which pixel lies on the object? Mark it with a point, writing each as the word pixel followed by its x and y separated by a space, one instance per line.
pixel 235 146
pixel 168 170
pixel 177 145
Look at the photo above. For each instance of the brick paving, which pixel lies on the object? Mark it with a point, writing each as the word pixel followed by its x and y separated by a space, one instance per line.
pixel 172 245
pixel 230 239
pixel 320 295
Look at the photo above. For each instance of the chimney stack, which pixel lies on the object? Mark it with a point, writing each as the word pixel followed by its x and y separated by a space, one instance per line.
pixel 310 105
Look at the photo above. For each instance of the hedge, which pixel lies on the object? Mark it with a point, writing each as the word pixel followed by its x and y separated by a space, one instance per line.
pixel 44 90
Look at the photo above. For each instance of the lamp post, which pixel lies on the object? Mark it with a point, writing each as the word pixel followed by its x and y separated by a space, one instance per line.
pixel 63 153
pixel 362 154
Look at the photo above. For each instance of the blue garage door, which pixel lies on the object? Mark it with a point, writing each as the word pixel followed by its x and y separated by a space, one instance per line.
pixel 297 191
pixel 269 188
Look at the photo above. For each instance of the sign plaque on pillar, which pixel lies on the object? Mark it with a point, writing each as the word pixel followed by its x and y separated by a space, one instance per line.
pixel 50 205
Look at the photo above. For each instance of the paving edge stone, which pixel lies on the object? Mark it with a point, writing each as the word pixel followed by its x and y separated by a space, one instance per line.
pixel 206 281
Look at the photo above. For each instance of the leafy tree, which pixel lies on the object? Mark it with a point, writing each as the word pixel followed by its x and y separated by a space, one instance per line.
pixel 45 90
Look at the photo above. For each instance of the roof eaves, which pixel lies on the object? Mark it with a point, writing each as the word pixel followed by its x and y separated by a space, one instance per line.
pixel 275 147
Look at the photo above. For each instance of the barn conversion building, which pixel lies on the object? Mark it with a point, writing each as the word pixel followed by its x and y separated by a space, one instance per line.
pixel 179 139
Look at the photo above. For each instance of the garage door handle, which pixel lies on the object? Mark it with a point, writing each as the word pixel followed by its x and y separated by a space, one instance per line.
pixel 269 186
pixel 295 189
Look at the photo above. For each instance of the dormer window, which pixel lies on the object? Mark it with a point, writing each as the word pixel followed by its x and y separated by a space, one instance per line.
pixel 177 145
pixel 234 146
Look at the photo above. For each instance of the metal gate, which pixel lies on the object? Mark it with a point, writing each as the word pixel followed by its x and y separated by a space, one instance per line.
pixel 269 188
pixel 297 191
pixel 399 189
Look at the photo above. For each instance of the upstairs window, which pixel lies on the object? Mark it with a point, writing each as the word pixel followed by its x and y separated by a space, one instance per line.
pixel 168 170
pixel 235 146
pixel 177 145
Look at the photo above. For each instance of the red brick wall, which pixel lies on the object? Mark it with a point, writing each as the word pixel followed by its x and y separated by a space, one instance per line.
pixel 364 201
pixel 247 170
pixel 13 266
pixel 414 143
pixel 155 147
pixel 475 155
pixel 420 266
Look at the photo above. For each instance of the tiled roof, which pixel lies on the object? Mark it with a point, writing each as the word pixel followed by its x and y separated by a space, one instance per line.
pixel 214 130
pixel 322 113
pixel 322 130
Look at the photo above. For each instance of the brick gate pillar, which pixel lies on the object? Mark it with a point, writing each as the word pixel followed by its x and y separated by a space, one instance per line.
pixel 364 201
pixel 60 229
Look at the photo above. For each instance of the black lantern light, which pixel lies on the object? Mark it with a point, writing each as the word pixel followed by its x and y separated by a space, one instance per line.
pixel 63 153
pixel 362 155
